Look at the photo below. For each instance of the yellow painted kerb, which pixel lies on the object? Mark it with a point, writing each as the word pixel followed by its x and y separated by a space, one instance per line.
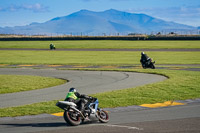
pixel 108 67
pixel 25 65
pixel 3 64
pixel 79 66
pixel 157 105
pixel 54 65
pixel 58 114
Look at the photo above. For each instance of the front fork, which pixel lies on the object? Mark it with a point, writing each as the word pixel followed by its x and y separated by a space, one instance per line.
pixel 95 110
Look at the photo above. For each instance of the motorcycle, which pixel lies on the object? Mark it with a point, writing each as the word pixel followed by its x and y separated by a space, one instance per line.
pixel 74 117
pixel 148 64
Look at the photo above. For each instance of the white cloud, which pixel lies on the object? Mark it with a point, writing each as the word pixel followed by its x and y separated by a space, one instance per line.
pixel 31 7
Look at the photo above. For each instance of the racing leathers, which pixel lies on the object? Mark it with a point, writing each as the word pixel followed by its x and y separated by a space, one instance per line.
pixel 76 98
pixel 144 59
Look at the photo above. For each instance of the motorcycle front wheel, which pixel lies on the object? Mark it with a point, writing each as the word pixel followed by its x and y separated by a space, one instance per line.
pixel 152 66
pixel 103 116
pixel 72 118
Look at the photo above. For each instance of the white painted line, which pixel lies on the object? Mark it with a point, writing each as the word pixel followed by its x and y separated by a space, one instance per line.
pixel 129 127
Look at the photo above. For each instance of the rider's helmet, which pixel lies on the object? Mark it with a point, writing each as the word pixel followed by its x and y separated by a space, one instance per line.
pixel 72 90
pixel 142 53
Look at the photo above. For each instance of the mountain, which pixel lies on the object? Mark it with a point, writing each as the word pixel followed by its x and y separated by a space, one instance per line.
pixel 87 22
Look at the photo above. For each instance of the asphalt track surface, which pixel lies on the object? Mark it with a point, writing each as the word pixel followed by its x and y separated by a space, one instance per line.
pixel 136 119
pixel 177 119
pixel 99 49
pixel 86 82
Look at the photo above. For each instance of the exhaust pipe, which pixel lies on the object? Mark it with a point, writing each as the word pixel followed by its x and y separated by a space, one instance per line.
pixel 78 112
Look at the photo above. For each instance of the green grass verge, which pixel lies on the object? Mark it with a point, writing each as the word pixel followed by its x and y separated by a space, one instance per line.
pixel 17 83
pixel 104 44
pixel 180 85
pixel 94 57
pixel 32 109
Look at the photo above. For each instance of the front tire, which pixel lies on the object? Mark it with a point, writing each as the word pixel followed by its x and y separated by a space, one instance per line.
pixel 143 66
pixel 152 66
pixel 103 116
pixel 72 118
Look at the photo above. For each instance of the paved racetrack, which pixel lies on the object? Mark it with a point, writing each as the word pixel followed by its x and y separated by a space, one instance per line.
pixel 86 82
pixel 133 119
pixel 177 119
pixel 98 49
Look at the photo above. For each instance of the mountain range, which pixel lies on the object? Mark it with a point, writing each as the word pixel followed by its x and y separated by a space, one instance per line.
pixel 85 22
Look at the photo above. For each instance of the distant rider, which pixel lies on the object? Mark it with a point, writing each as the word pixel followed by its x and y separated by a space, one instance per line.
pixel 52 46
pixel 144 58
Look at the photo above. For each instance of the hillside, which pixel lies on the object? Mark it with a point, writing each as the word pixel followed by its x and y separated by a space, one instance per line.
pixel 85 22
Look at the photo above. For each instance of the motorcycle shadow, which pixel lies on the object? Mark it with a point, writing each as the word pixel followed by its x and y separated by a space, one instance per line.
pixel 53 124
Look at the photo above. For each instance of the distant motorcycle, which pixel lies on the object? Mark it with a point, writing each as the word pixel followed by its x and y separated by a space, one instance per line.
pixel 52 46
pixel 148 64
pixel 74 117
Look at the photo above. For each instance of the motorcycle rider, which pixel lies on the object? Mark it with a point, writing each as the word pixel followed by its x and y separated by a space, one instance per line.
pixel 77 98
pixel 144 58
pixel 52 46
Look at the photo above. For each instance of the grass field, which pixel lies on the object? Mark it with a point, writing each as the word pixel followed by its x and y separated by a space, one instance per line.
pixel 103 44
pixel 180 85
pixel 17 83
pixel 95 57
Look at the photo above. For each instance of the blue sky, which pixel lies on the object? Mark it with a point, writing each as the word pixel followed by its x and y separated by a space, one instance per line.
pixel 24 12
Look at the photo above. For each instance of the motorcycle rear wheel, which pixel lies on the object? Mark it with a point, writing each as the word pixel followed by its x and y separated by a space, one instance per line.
pixel 72 118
